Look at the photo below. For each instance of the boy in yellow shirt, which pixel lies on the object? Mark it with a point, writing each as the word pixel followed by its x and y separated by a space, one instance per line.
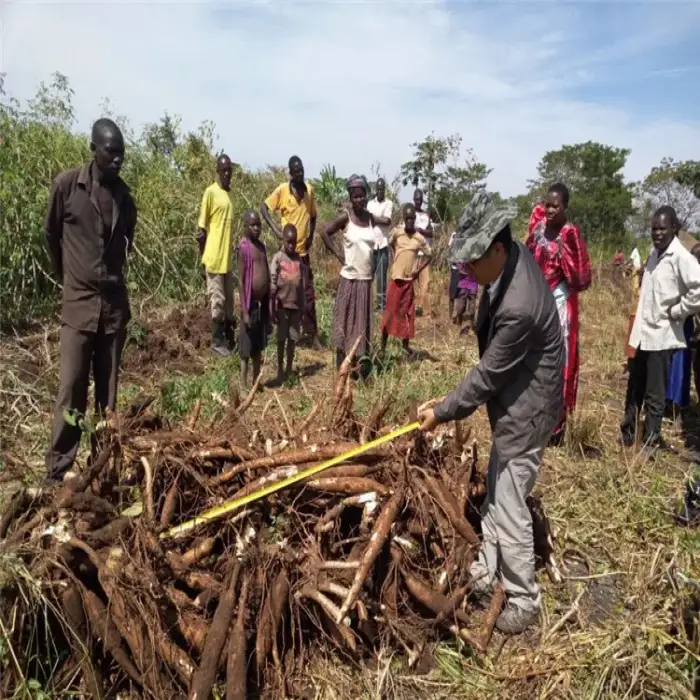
pixel 214 235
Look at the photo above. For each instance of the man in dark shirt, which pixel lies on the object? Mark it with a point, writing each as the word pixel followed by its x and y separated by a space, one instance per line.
pixel 89 232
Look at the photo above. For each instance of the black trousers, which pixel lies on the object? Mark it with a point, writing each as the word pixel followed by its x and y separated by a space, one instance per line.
pixel 646 387
pixel 81 353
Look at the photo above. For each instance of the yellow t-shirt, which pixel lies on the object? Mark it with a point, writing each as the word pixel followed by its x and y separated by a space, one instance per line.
pixel 293 211
pixel 406 248
pixel 216 218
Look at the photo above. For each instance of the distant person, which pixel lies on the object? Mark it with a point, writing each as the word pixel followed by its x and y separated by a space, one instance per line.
pixel 254 296
pixel 635 259
pixel 454 276
pixel 405 243
pixel 89 232
pixel 465 302
pixel 295 203
pixel 619 258
pixel 287 301
pixel 381 210
pixel 562 255
pixel 352 311
pixel 695 337
pixel 519 378
pixel 669 294
pixel 214 235
pixel 424 226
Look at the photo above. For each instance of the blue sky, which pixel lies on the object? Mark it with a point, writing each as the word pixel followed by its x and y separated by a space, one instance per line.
pixel 355 83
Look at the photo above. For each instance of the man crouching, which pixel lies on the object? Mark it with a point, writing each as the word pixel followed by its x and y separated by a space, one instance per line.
pixel 520 379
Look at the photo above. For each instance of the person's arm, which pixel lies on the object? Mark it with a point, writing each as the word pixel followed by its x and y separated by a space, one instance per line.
pixel 53 228
pixel 384 220
pixel 575 261
pixel 426 232
pixel 131 225
pixel 274 276
pixel 203 222
pixel 423 260
pixel 314 214
pixel 501 362
pixel 241 287
pixel 330 229
pixel 689 273
pixel 268 207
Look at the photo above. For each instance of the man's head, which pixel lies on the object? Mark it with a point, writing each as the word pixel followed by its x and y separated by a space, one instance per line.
pixel 107 146
pixel 664 227
pixel 296 170
pixel 289 238
pixel 251 224
pixel 381 189
pixel 224 170
pixel 487 268
pixel 483 238
pixel 418 199
pixel 555 203
pixel 408 211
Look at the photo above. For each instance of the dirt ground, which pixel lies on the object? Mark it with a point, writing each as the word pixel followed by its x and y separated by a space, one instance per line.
pixel 613 511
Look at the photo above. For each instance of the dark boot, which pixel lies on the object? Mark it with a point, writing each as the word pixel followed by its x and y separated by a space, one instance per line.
pixel 218 338
pixel 230 331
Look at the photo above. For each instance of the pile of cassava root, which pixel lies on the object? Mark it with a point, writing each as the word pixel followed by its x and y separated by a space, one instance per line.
pixel 99 599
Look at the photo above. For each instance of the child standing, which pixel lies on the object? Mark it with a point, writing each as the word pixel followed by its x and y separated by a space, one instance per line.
pixel 405 243
pixel 286 300
pixel 465 303
pixel 254 296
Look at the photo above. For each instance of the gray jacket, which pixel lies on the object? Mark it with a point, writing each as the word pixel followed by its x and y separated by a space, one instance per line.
pixel 520 376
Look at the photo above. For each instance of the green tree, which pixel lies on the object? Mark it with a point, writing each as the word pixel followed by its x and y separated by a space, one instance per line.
pixel 601 202
pixel 447 173
pixel 329 187
pixel 688 175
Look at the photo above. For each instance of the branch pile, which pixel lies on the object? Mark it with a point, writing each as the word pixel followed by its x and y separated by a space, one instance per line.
pixel 372 553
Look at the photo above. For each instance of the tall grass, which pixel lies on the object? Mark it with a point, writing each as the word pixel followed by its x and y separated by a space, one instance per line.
pixel 166 169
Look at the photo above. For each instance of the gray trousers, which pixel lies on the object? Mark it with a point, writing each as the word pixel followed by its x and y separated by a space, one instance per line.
pixel 82 353
pixel 508 546
pixel 220 291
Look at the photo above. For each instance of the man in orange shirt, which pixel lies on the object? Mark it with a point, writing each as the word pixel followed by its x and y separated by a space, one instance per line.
pixel 295 204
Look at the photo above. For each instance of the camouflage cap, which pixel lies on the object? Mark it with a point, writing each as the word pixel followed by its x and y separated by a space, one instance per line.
pixel 481 220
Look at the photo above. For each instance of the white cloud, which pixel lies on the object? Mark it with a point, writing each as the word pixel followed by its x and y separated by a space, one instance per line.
pixel 354 83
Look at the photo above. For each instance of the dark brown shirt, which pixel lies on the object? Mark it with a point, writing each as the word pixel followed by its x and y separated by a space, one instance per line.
pixel 88 241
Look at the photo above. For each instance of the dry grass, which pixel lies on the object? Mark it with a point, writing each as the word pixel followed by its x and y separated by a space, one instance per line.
pixel 613 629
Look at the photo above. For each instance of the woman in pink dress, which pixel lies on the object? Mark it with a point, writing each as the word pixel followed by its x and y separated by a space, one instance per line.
pixel 560 251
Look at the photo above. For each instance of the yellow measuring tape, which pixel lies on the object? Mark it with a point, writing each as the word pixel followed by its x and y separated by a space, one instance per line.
pixel 229 506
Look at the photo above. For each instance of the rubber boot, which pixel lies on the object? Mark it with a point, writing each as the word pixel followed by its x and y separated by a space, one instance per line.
pixel 218 338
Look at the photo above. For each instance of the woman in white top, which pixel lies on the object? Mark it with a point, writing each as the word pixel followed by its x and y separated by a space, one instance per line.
pixel 352 313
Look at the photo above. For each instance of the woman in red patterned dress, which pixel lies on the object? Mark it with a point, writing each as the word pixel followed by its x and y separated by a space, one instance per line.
pixel 560 251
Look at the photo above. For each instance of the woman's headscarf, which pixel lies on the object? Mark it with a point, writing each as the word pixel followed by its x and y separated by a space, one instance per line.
pixel 357 181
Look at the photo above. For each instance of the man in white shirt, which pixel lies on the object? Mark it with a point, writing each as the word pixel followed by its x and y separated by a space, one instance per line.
pixel 670 293
pixel 425 227
pixel 381 210
pixel 635 259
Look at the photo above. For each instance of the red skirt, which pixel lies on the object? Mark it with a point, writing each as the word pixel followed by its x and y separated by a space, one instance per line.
pixel 399 315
